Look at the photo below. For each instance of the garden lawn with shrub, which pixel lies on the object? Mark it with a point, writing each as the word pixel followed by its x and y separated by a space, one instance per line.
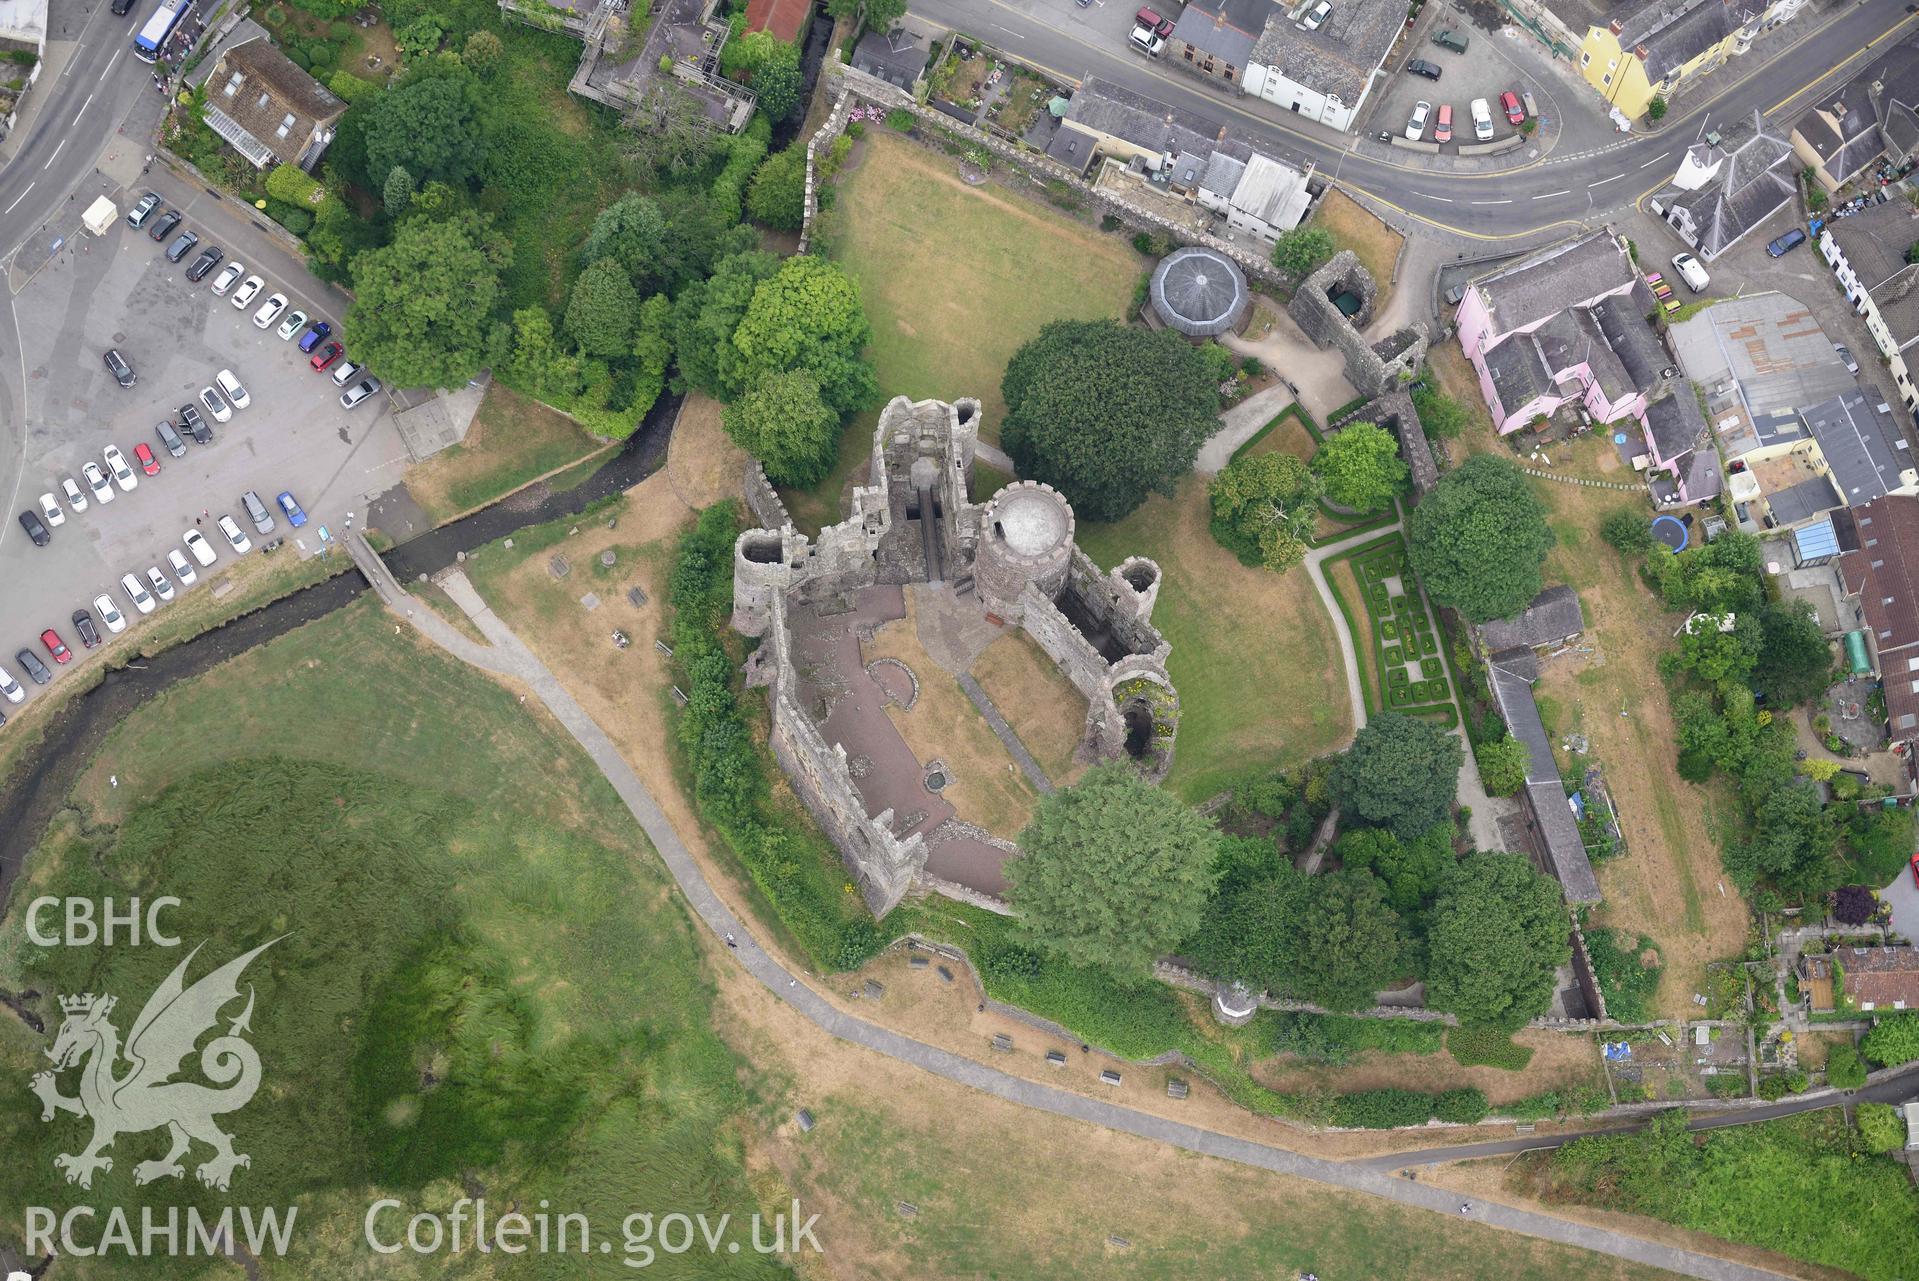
pixel 1391 620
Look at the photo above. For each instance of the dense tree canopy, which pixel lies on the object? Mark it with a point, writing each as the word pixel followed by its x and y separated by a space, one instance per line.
pixel 1332 939
pixel 807 316
pixel 1300 251
pixel 1107 413
pixel 1894 1039
pixel 419 314
pixel 1411 871
pixel 602 309
pixel 783 422
pixel 428 124
pixel 1112 872
pixel 631 232
pixel 706 313
pixel 1360 466
pixel 1498 932
pixel 1479 539
pixel 1795 663
pixel 1263 509
pixel 1401 773
pixel 1502 765
pixel 777 195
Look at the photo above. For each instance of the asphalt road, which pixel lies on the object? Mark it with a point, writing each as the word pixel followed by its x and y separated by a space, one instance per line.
pixel 1896 1087
pixel 1072 44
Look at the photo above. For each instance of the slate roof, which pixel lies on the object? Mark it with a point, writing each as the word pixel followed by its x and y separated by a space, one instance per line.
pixel 1545 794
pixel 1842 129
pixel 1674 33
pixel 1884 573
pixel 786 19
pixel 1222 175
pixel 1338 59
pixel 1675 423
pixel 1518 373
pixel 894 57
pixel 1227 29
pixel 1145 122
pixel 1875 241
pixel 1632 339
pixel 1549 617
pixel 277 105
pixel 1569 274
pixel 1757 174
pixel 1813 496
pixel 1072 147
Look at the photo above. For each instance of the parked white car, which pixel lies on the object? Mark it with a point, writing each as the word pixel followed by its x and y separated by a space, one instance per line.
pixel 216 404
pixel 345 372
pixel 97 482
pixel 10 688
pixel 52 511
pixel 293 324
pixel 228 276
pixel 1416 125
pixel 103 606
pixel 75 499
pixel 1482 119
pixel 244 296
pixel 1317 18
pixel 235 392
pixel 161 584
pixel 269 311
pixel 117 464
pixel 236 537
pixel 197 544
pixel 137 593
pixel 1691 272
pixel 181 570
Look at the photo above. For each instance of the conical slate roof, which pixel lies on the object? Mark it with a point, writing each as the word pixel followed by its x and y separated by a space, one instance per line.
pixel 1199 292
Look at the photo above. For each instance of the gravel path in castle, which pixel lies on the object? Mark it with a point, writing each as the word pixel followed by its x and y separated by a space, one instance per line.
pixel 508 656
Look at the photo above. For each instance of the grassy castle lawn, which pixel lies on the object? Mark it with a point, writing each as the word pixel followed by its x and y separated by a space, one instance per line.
pixel 955 279
pixel 478 985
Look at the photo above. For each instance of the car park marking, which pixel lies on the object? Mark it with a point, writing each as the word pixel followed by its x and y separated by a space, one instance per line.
pixel 1603 181
pixel 1548 195
pixel 1656 159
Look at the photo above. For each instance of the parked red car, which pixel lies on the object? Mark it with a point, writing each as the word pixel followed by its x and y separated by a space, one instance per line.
pixel 1510 102
pixel 1915 869
pixel 56 646
pixel 326 355
pixel 148 463
pixel 1150 19
pixel 1443 131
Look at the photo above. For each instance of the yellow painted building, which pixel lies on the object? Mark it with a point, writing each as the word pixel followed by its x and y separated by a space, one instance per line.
pixel 1648 50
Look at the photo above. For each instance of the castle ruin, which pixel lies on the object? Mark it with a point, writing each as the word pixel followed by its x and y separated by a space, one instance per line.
pixel 1008 562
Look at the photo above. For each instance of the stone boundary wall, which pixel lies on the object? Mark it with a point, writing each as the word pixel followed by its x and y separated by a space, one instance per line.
pixel 1371 370
pixel 1584 976
pixel 855 83
pixel 1580 480
pixel 769 512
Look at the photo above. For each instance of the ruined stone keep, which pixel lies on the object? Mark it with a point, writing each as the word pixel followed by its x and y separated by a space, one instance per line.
pixel 1012 557
pixel 1335 304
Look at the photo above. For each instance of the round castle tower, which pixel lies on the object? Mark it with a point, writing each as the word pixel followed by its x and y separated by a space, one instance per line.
pixel 1026 536
pixel 759 573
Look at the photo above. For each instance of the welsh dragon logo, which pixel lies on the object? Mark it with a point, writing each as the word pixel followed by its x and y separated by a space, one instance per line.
pixel 145 1096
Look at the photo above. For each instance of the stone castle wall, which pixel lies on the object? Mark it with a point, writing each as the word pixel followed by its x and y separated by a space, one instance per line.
pixel 1374 369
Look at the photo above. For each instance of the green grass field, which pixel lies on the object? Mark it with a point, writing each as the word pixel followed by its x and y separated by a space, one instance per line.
pixel 480 983
pixel 955 280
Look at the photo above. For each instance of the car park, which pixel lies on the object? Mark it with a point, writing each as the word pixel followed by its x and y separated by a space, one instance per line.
pixel 143 455
pixel 1443 127
pixel 36 670
pixel 248 292
pixel 137 592
pixel 316 333
pixel 326 356
pixel 1691 272
pixel 143 209
pixel 229 277
pixel 1790 241
pixel 1416 124
pixel 216 404
pixel 1447 38
pixel 75 499
pixel 83 624
pixel 232 389
pixel 170 438
pixel 269 311
pixel 1421 67
pixel 164 224
pixel 117 464
pixel 1845 357
pixel 36 530
pixel 257 513
pixel 182 247
pixel 362 390
pixel 97 482
pixel 195 426
pixel 1509 103
pixel 117 366
pixel 10 689
pixel 181 569
pixel 295 514
pixel 110 614
pixel 161 584
pixel 196 542
pixel 295 321
pixel 1482 119
pixel 52 512
pixel 209 259
pixel 345 372
pixel 56 647
pixel 235 536
pixel 1317 18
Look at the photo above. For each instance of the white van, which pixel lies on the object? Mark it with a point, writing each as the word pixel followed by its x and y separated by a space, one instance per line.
pixel 1482 120
pixel 1691 272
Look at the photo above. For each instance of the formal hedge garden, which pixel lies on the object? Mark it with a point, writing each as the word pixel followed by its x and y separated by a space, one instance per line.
pixel 1402 634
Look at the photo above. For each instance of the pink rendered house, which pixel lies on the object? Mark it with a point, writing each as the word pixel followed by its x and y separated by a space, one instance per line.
pixel 1559 327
